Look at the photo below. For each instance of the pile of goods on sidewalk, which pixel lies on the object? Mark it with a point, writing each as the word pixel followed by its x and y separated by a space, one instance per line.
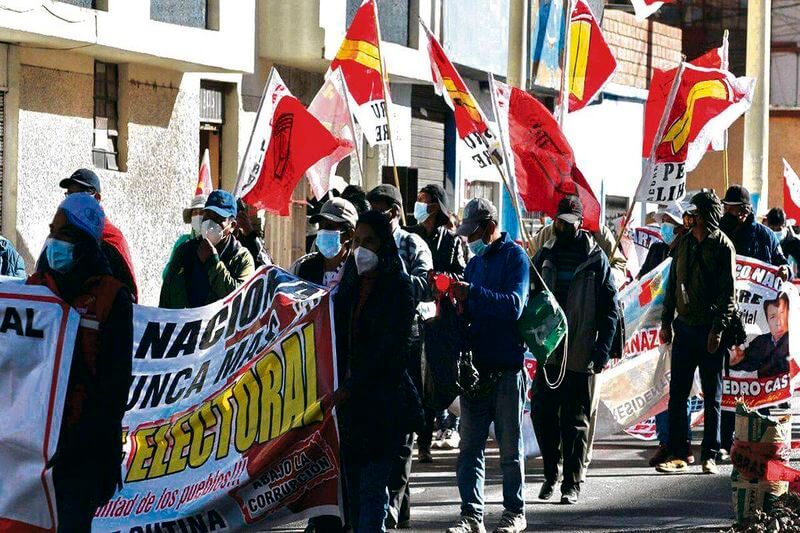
pixel 784 516
pixel 760 452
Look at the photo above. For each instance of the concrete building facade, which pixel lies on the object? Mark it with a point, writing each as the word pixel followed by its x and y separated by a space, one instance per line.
pixel 109 85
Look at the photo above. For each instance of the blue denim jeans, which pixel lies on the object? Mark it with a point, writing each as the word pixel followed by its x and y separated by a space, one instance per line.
pixel 503 406
pixel 689 353
pixel 367 493
pixel 662 425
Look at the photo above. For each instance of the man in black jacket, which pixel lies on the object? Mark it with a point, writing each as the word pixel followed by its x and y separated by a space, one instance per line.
pixel 776 221
pixel 701 292
pixel 578 273
pixel 433 216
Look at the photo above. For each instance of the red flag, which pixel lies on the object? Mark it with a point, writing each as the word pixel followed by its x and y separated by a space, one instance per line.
pixel 539 156
pixel 330 107
pixel 716 58
pixel 791 192
pixel 286 141
pixel 470 121
pixel 204 185
pixel 359 59
pixel 591 62
pixel 645 8
pixel 706 102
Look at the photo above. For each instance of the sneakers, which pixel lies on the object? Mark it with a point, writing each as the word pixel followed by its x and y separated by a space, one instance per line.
pixel 467 524
pixel 690 457
pixel 661 455
pixel 710 467
pixel 724 456
pixel 673 466
pixel 450 440
pixel 546 492
pixel 511 523
pixel 570 496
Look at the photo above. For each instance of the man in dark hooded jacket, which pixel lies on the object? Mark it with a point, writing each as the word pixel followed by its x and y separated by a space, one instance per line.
pixel 700 291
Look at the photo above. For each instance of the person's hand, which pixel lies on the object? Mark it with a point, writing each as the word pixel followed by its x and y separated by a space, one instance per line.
pixel 205 250
pixel 665 334
pixel 460 290
pixel 714 340
pixel 737 355
pixel 784 272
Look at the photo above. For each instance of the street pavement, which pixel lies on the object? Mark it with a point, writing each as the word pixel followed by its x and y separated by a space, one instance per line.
pixel 622 493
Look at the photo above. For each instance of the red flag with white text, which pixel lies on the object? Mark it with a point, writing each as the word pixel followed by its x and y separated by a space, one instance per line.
pixel 359 59
pixel 286 141
pixel 539 157
pixel 791 192
pixel 706 102
pixel 591 62
pixel 471 124
pixel 331 109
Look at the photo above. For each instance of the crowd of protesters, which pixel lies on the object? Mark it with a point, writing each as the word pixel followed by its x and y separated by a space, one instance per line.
pixel 385 298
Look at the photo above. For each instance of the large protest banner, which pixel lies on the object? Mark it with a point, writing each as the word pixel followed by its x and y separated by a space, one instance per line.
pixel 34 368
pixel 636 387
pixel 762 371
pixel 229 422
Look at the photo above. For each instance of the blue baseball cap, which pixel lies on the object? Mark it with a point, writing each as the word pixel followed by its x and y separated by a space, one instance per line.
pixel 82 176
pixel 222 203
pixel 85 213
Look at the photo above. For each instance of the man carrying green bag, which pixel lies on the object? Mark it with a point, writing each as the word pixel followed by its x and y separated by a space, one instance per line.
pixel 578 273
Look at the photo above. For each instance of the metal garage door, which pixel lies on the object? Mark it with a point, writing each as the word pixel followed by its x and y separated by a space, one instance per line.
pixel 427 135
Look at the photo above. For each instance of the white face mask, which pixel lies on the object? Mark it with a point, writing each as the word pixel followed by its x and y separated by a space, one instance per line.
pixel 366 260
pixel 212 231
pixel 197 224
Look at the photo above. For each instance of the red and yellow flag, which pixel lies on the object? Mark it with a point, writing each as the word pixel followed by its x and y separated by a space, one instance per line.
pixel 448 83
pixel 591 62
pixel 359 56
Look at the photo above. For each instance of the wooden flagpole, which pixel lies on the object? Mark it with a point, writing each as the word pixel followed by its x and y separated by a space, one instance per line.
pixel 386 101
pixel 563 105
pixel 648 167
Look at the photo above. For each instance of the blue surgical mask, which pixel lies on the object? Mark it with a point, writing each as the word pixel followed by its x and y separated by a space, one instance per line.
pixel 478 248
pixel 667 232
pixel 328 243
pixel 421 212
pixel 781 234
pixel 59 255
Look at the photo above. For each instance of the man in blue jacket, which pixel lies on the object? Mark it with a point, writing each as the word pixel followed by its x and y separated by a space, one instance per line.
pixel 494 294
pixel 578 273
pixel 11 263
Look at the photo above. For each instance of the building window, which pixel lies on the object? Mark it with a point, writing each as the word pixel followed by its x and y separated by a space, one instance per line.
pixel 784 81
pixel 192 13
pixel 393 16
pixel 105 152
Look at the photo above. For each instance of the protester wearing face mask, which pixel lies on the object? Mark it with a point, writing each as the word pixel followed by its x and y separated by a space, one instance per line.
pixel 418 262
pixel 250 233
pixel 212 266
pixel 754 240
pixel 336 220
pixel 672 229
pixel 790 244
pixel 86 469
pixel 699 300
pixel 193 216
pixel 578 273
pixel 748 236
pixel 113 243
pixel 494 294
pixel 376 403
pixel 433 216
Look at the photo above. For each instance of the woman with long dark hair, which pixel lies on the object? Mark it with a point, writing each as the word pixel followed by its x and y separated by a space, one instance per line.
pixel 377 402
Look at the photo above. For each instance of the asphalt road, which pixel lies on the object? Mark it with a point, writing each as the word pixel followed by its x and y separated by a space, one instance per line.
pixel 622 493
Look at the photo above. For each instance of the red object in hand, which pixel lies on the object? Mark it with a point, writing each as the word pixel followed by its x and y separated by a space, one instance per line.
pixel 442 282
